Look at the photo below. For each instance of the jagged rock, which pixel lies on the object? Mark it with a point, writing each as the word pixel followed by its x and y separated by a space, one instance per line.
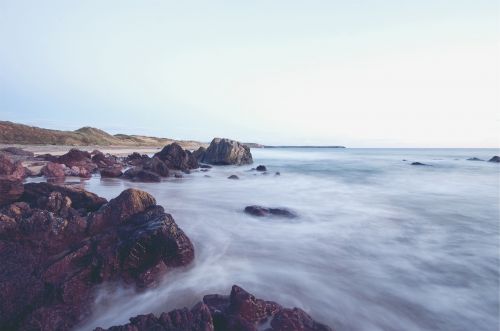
pixel 177 158
pixel 136 159
pixel 54 170
pixel 494 159
pixel 80 162
pixel 158 166
pixel 240 311
pixel 53 255
pixel 137 174
pixel 199 153
pixel 263 211
pixel 233 177
pixel 474 159
pixel 11 189
pixel 105 161
pixel 224 151
pixel 261 168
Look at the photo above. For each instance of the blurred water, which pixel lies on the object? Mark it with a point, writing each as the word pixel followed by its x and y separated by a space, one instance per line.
pixel 379 244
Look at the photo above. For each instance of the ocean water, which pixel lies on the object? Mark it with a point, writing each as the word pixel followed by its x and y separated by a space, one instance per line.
pixel 378 244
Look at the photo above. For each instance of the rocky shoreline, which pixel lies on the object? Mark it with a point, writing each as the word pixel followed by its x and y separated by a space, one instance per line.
pixel 59 242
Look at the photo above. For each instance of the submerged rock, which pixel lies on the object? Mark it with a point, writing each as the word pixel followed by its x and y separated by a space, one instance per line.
pixel 264 211
pixel 240 311
pixel 420 164
pixel 233 177
pixel 224 151
pixel 111 172
pixel 474 159
pixel 55 251
pixel 137 174
pixel 494 159
pixel 261 168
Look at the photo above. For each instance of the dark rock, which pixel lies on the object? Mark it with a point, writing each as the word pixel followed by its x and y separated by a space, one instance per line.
pixel 240 311
pixel 233 177
pixel 474 159
pixel 54 170
pixel 47 157
pixel 54 256
pixel 178 175
pixel 205 166
pixel 261 168
pixel 80 163
pixel 225 151
pixel 263 211
pixel 111 172
pixel 159 167
pixel 177 158
pixel 81 199
pixel 419 164
pixel 277 173
pixel 136 159
pixel 11 190
pixel 137 174
pixel 105 161
pixel 494 159
pixel 199 153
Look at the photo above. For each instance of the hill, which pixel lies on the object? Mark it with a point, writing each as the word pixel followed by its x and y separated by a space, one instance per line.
pixel 14 133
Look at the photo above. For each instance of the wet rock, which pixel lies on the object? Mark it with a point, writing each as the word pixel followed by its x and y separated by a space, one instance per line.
pixel 111 172
pixel 79 161
pixel 199 153
pixel 277 173
pixel 240 311
pixel 205 166
pixel 11 168
pixel 474 159
pixel 47 157
pixel 53 255
pixel 263 211
pixel 105 161
pixel 178 175
pixel 175 157
pixel 225 152
pixel 420 164
pixel 233 177
pixel 53 170
pixel 159 167
pixel 136 159
pixel 494 159
pixel 11 189
pixel 137 174
pixel 261 168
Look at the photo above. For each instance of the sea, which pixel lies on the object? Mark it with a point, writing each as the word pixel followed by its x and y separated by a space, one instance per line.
pixel 378 244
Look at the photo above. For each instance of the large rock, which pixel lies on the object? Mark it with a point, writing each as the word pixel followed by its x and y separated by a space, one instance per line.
pixel 111 172
pixel 224 151
pixel 11 190
pixel 54 254
pixel 240 311
pixel 79 162
pixel 175 157
pixel 11 168
pixel 105 161
pixel 138 174
pixel 54 170
pixel 495 159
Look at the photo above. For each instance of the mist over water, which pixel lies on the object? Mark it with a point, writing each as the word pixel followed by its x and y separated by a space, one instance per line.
pixel 378 244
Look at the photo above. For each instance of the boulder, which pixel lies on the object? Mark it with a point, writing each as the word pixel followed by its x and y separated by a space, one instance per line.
pixel 136 159
pixel 105 161
pixel 79 161
pixel 137 174
pixel 199 153
pixel 224 151
pixel 175 157
pixel 11 168
pixel 233 177
pixel 158 167
pixel 111 172
pixel 494 159
pixel 240 311
pixel 264 211
pixel 11 189
pixel 54 255
pixel 54 170
pixel 261 168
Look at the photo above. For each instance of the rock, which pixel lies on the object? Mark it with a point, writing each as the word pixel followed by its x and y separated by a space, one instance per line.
pixel 419 164
pixel 205 166
pixel 11 189
pixel 17 151
pixel 105 161
pixel 263 211
pixel 177 158
pixel 54 256
pixel 494 159
pixel 54 170
pixel 159 167
pixel 277 173
pixel 233 177
pixel 136 159
pixel 178 176
pixel 137 174
pixel 199 153
pixel 240 311
pixel 81 199
pixel 48 158
pixel 474 159
pixel 261 168
pixel 225 152
pixel 111 172
pixel 79 161
pixel 10 168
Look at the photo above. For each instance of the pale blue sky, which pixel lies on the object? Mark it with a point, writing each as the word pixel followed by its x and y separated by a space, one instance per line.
pixel 390 73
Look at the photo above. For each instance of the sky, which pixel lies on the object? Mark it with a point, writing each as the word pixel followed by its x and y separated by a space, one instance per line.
pixel 379 73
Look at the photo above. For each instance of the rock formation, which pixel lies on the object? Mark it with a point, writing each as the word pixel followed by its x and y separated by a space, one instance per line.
pixel 57 243
pixel 177 158
pixel 224 151
pixel 263 211
pixel 494 159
